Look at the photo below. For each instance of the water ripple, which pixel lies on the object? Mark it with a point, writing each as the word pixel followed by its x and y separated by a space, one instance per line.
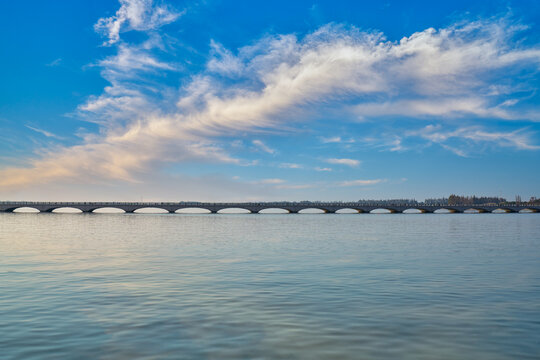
pixel 269 287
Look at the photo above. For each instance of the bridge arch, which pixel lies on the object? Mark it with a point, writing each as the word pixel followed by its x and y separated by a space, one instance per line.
pixel 347 211
pixel 192 210
pixel 383 211
pixel 312 210
pixel 414 211
pixel 474 210
pixel 528 211
pixel 66 210
pixel 24 209
pixel 274 210
pixel 502 211
pixel 234 210
pixel 150 210
pixel 108 210
pixel 445 211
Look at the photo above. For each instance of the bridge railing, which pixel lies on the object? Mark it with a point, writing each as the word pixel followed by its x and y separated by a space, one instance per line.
pixel 267 204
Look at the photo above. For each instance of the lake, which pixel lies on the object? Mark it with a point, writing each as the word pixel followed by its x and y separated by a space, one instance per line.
pixel 274 286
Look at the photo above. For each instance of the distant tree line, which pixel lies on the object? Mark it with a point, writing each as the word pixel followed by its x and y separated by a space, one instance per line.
pixel 466 200
pixel 534 201
pixel 479 200
pixel 399 202
pixel 474 200
pixel 451 200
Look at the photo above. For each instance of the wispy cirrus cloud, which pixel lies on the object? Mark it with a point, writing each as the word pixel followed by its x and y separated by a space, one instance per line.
pixel 336 140
pixel 283 184
pixel 295 186
pixel 519 139
pixel 272 181
pixel 347 162
pixel 262 146
pixel 386 142
pixel 44 132
pixel 361 182
pixel 140 15
pixel 223 61
pixel 55 62
pixel 290 166
pixel 333 139
pixel 461 140
pixel 275 83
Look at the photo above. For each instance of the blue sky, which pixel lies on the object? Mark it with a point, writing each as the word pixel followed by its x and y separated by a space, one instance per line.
pixel 281 100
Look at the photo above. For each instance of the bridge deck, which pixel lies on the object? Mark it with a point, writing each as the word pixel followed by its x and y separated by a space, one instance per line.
pixel 255 207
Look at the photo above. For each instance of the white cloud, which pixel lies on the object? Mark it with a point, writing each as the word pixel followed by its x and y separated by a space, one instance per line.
pixel 518 139
pixel 385 141
pixel 130 58
pixel 323 169
pixel 278 81
pixel 396 144
pixel 140 15
pixel 347 162
pixel 290 166
pixel 54 63
pixel 223 61
pixel 334 139
pixel 296 186
pixel 443 107
pixel 361 182
pixel 270 181
pixel 455 150
pixel 44 132
pixel 262 146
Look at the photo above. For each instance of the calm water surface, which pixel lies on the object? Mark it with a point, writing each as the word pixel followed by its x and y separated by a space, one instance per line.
pixel 269 286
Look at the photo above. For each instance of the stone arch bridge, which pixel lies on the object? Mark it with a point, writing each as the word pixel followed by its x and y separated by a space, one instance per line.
pixel 256 207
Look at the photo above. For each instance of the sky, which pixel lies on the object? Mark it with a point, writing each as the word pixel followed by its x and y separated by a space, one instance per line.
pixel 141 100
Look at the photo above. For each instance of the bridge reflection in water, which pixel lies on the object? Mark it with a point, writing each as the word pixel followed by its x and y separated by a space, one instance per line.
pixel 256 207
